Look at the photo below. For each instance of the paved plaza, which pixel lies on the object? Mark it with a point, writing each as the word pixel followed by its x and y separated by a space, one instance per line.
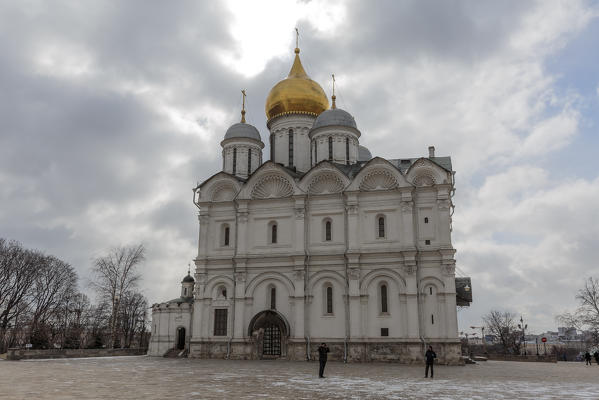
pixel 158 378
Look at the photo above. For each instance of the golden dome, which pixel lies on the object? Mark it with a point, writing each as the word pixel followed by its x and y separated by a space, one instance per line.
pixel 297 94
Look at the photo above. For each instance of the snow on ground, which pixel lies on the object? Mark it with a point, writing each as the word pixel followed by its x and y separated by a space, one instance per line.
pixel 158 378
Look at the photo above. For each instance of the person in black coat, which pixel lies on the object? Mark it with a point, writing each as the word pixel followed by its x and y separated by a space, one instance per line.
pixel 587 358
pixel 596 355
pixel 430 359
pixel 323 349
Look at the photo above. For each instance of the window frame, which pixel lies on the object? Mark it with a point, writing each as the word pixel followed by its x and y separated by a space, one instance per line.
pixel 378 226
pixel 329 307
pixel 221 316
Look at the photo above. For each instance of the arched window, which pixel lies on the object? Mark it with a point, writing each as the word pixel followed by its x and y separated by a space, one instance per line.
pixel 291 147
pixel 225 235
pixel 426 220
pixel 273 298
pixel 226 238
pixel 185 291
pixel 234 161
pixel 249 161
pixel 273 232
pixel 329 299
pixel 384 307
pixel 272 148
pixel 330 148
pixel 347 151
pixel 327 230
pixel 380 227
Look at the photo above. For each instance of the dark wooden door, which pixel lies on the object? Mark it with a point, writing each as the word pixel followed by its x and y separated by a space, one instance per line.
pixel 181 338
pixel 272 341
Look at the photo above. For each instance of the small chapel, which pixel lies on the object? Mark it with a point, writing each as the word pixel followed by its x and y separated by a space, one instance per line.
pixel 320 243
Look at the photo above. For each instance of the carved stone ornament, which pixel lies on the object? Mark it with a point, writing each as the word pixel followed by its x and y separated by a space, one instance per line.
pixel 272 186
pixel 443 205
pixel 353 273
pixel 410 269
pixel 407 206
pixel 325 183
pixel 449 269
pixel 299 212
pixel 240 277
pixel 424 178
pixel 242 217
pixel 379 179
pixel 352 209
pixel 298 275
pixel 223 192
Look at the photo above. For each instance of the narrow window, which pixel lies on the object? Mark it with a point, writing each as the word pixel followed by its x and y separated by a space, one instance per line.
pixel 430 289
pixel 426 220
pixel 381 230
pixel 384 331
pixel 234 161
pixel 226 238
pixel 273 298
pixel 347 151
pixel 273 233
pixel 249 161
pixel 316 151
pixel 311 159
pixel 272 148
pixel 185 291
pixel 327 231
pixel 220 322
pixel 223 291
pixel 432 319
pixel 329 299
pixel 330 148
pixel 291 147
pixel 384 298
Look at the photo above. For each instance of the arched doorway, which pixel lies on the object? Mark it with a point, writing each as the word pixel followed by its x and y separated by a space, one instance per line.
pixel 270 330
pixel 180 338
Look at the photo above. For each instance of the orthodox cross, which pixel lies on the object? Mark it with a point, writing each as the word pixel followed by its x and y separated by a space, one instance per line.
pixel 243 107
pixel 296 38
pixel 333 97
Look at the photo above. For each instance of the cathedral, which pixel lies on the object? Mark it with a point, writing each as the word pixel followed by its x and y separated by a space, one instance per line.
pixel 321 243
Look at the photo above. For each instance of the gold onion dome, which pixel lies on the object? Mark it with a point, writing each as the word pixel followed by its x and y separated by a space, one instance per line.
pixel 297 94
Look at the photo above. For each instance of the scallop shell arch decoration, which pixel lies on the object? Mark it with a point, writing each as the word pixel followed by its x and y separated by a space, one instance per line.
pixel 379 180
pixel 223 192
pixel 424 177
pixel 272 186
pixel 326 183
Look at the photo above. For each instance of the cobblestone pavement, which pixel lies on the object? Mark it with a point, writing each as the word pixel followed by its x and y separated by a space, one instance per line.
pixel 158 378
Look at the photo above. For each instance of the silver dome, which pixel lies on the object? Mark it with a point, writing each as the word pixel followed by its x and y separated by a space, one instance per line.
pixel 364 154
pixel 335 117
pixel 242 130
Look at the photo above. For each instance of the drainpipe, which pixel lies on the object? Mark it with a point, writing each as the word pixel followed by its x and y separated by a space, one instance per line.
pixel 306 275
pixel 345 261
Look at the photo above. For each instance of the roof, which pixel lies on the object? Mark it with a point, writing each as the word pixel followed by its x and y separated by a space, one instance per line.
pixel 403 164
pixel 180 300
pixel 334 117
pixel 242 130
pixel 363 153
pixel 188 278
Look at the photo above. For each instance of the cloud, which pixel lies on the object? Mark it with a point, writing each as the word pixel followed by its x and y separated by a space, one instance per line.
pixel 112 111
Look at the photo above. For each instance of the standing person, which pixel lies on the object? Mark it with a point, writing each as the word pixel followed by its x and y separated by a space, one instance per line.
pixel 596 355
pixel 323 349
pixel 430 359
pixel 587 357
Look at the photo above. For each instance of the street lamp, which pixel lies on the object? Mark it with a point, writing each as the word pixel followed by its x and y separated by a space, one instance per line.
pixel 523 326
pixel 482 335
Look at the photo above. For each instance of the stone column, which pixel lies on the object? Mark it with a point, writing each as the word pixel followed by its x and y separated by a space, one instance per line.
pixel 300 213
pixel 238 324
pixel 353 233
pixel 298 300
pixel 443 227
pixel 204 219
pixel 413 318
pixel 242 227
pixel 355 309
pixel 448 271
pixel 407 220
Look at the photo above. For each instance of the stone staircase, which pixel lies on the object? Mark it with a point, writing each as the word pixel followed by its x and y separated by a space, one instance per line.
pixel 175 353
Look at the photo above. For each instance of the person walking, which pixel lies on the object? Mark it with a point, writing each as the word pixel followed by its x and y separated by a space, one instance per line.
pixel 596 355
pixel 430 360
pixel 323 349
pixel 587 358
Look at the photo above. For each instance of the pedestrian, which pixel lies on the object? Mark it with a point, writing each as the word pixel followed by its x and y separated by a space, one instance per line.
pixel 323 349
pixel 587 358
pixel 596 355
pixel 430 359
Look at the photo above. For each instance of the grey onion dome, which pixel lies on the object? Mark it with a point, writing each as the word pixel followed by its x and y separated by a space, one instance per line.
pixel 188 278
pixel 243 130
pixel 364 154
pixel 334 117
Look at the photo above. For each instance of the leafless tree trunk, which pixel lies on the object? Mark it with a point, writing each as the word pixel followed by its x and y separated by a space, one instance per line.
pixel 133 309
pixel 116 274
pixel 503 326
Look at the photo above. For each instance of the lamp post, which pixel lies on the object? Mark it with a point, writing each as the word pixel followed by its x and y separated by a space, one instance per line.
pixel 482 335
pixel 523 327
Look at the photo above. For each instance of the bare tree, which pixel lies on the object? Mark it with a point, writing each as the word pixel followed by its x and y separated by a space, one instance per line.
pixel 116 274
pixel 586 316
pixel 504 326
pixel 133 310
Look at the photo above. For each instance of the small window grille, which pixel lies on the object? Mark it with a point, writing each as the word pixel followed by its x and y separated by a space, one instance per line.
pixel 381 230
pixel 427 241
pixel 384 331
pixel 384 308
pixel 220 322
pixel 426 220
pixel 327 231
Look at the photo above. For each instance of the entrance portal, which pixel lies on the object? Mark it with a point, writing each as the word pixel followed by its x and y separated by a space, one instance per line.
pixel 270 330
pixel 180 338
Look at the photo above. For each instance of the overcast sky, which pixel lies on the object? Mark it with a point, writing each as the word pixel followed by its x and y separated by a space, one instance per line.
pixel 110 112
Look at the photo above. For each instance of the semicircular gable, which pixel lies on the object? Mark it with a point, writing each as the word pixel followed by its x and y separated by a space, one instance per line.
pixel 324 179
pixel 269 276
pixel 378 174
pixel 268 181
pixel 220 187
pixel 395 277
pixel 426 173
